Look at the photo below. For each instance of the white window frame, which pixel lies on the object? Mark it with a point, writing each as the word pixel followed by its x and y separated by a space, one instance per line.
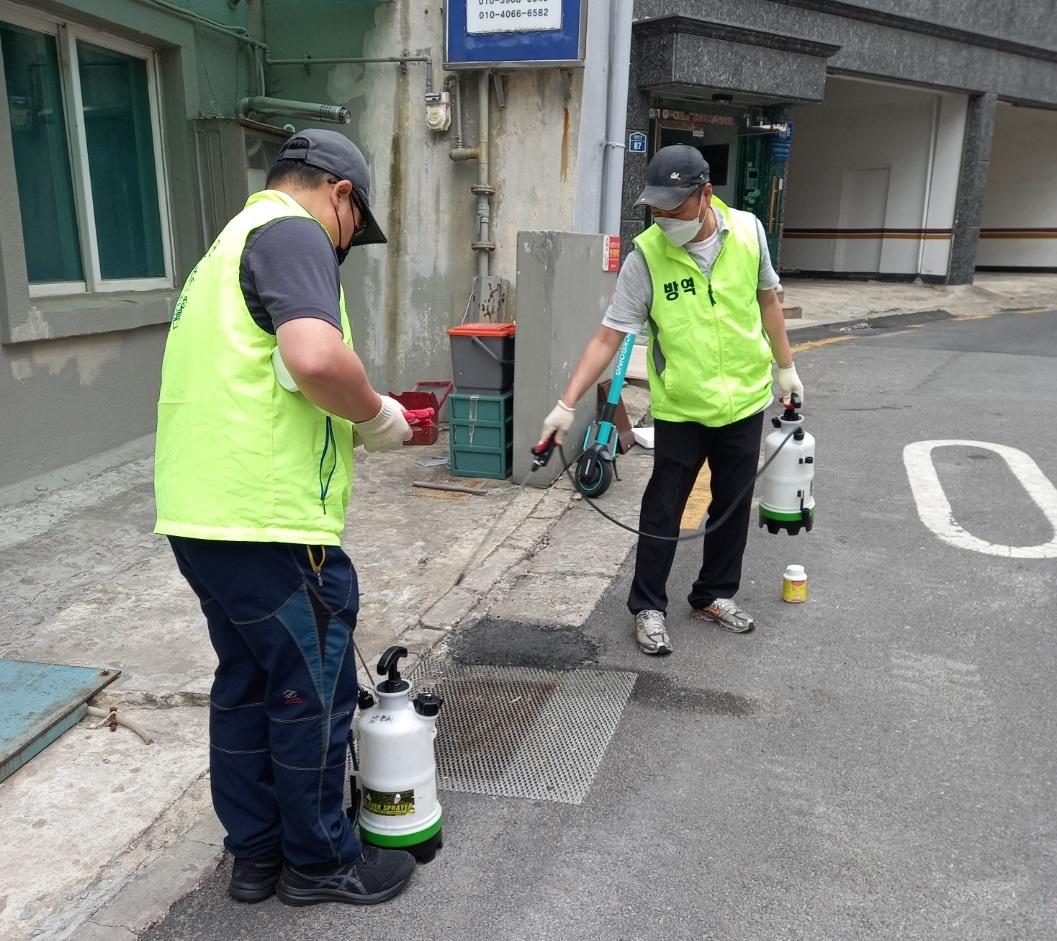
pixel 66 36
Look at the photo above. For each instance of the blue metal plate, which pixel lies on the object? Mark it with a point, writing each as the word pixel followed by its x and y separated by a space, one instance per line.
pixel 40 701
pixel 522 46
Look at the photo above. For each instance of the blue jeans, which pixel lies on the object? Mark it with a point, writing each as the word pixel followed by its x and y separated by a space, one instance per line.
pixel 281 619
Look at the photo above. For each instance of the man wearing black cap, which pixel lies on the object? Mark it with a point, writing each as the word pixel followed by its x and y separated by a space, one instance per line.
pixel 701 284
pixel 261 396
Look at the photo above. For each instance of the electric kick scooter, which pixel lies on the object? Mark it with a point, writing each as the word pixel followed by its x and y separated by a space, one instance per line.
pixel 597 466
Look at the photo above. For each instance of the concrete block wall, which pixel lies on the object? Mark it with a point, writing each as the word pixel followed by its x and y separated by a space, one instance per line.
pixel 562 295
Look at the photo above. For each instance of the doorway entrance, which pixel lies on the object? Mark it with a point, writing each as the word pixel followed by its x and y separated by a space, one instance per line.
pixel 747 170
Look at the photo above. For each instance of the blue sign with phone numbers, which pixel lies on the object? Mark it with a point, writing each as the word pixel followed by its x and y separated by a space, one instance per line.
pixel 515 33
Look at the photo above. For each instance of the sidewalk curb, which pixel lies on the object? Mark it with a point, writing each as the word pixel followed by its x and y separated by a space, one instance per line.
pixel 821 331
pixel 150 893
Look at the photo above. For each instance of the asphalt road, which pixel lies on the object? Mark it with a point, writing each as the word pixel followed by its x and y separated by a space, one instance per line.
pixel 876 763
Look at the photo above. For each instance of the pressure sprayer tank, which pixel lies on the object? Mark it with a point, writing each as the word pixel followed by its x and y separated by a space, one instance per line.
pixel 787 489
pixel 397 772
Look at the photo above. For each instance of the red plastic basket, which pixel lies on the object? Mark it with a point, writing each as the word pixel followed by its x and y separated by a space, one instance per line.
pixel 425 432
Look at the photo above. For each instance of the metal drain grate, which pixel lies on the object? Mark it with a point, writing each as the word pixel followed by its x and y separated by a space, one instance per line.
pixel 521 732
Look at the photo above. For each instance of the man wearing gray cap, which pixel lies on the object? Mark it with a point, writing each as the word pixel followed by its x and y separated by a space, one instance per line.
pixel 701 284
pixel 261 397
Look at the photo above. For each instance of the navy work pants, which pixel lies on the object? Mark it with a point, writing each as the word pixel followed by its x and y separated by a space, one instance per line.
pixel 680 450
pixel 280 619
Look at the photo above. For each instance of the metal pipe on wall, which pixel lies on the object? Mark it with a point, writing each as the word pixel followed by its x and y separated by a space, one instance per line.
pixel 616 114
pixel 484 190
pixel 402 60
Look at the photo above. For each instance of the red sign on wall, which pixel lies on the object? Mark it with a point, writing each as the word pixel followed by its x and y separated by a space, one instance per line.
pixel 611 255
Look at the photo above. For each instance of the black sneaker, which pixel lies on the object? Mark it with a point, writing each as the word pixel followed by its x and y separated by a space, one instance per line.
pixel 253 880
pixel 375 876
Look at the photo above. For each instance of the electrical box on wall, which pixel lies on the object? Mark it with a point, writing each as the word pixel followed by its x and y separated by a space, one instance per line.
pixel 438 111
pixel 515 33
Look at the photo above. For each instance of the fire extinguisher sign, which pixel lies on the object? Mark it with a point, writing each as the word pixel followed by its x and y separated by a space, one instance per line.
pixel 386 804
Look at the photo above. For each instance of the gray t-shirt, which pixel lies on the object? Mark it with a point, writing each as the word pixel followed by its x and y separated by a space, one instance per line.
pixel 289 270
pixel 630 308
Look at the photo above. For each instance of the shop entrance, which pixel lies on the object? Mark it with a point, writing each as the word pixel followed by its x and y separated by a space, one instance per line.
pixel 747 169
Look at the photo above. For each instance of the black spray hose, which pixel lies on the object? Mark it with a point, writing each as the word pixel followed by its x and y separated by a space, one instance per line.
pixel 698 534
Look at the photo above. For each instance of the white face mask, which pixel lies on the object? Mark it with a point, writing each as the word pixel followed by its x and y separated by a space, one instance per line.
pixel 680 231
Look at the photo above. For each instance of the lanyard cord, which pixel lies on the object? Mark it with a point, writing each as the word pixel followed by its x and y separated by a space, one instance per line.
pixel 699 534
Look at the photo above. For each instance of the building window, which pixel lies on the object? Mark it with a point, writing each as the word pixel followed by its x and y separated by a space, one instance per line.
pixel 87 156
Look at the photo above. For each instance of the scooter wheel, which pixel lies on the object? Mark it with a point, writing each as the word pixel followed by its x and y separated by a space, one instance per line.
pixel 595 481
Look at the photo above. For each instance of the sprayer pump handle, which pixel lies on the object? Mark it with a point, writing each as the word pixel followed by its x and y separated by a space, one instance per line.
pixel 390 662
pixel 541 453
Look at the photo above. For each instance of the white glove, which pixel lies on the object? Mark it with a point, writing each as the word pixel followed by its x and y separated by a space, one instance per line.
pixel 789 382
pixel 387 430
pixel 558 422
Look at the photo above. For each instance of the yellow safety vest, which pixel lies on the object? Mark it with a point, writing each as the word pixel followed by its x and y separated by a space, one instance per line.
pixel 238 457
pixel 708 358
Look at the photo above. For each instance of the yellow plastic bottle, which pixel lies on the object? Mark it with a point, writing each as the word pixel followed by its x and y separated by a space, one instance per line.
pixel 794 584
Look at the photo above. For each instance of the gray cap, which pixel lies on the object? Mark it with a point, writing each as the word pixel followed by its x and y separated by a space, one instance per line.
pixel 335 153
pixel 672 175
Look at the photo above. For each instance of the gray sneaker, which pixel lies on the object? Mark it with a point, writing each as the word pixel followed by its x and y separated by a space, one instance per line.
pixel 726 614
pixel 650 632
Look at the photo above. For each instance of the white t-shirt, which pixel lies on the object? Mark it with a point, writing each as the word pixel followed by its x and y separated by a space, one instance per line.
pixel 630 308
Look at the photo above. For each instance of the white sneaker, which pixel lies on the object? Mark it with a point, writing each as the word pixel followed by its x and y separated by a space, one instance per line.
pixel 726 613
pixel 650 632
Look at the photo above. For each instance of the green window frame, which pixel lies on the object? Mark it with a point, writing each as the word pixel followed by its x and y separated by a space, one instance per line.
pixel 88 157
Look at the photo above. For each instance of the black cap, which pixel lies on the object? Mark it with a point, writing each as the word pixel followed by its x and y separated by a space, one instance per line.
pixel 335 153
pixel 672 175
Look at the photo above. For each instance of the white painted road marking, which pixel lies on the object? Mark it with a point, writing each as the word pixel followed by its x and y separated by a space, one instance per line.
pixel 935 510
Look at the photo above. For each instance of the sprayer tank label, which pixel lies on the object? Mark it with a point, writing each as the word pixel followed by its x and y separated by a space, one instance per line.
pixel 396 804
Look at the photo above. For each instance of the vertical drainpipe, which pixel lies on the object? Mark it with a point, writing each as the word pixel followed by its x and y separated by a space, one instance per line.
pixel 483 189
pixel 616 114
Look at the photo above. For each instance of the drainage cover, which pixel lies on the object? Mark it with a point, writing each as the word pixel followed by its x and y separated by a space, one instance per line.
pixel 522 732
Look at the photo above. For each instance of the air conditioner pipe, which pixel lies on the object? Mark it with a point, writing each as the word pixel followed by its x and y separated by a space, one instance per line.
pixel 401 60
pixel 311 111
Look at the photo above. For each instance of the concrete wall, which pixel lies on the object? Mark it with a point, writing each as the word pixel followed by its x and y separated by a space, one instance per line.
pixel 1016 21
pixel 1019 226
pixel 401 297
pixel 79 375
pixel 872 181
pixel 961 45
pixel 562 295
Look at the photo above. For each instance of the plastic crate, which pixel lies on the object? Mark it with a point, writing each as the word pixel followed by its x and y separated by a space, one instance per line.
pixel 490 435
pixel 481 462
pixel 472 408
pixel 481 443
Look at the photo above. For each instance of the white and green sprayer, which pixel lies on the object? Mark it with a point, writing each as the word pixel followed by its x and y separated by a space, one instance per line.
pixel 394 781
pixel 787 484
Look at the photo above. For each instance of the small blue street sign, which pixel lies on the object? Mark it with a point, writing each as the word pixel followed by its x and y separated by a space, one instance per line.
pixel 636 142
